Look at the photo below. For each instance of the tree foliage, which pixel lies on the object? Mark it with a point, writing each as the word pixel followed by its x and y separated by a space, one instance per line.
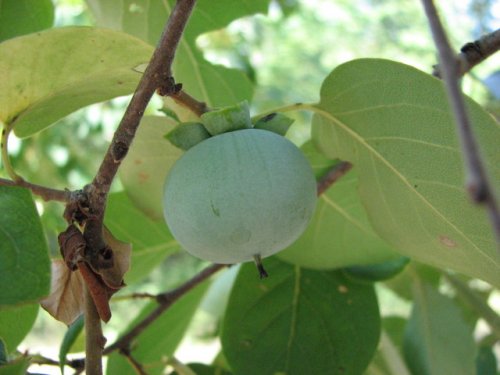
pixel 385 278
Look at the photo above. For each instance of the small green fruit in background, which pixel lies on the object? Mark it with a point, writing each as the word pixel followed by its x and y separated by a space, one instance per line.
pixel 239 196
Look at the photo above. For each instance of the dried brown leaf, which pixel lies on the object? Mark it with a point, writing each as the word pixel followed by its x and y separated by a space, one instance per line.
pixel 65 301
pixel 113 277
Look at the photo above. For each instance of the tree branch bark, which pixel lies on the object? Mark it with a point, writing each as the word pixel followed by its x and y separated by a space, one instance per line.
pixel 165 300
pixel 158 74
pixel 477 183
pixel 474 53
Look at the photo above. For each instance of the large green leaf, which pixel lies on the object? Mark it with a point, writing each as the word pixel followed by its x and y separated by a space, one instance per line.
pixel 47 75
pixel 437 340
pixel 299 322
pixel 148 161
pixel 15 323
pixel 339 233
pixel 21 17
pixel 392 122
pixel 24 257
pixel 215 85
pixel 151 240
pixel 162 337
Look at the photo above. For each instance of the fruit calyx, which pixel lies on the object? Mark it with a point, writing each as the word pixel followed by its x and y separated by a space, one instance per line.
pixel 225 120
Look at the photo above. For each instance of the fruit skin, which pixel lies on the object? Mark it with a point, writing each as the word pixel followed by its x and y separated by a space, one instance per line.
pixel 239 194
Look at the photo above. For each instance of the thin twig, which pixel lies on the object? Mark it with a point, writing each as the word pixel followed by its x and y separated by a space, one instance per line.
pixel 139 369
pixel 158 74
pixel 474 53
pixel 165 301
pixel 46 193
pixel 183 98
pixel 477 183
pixel 332 176
pixel 476 303
pixel 94 339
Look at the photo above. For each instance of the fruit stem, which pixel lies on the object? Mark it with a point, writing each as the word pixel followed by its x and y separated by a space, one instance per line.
pixel 260 267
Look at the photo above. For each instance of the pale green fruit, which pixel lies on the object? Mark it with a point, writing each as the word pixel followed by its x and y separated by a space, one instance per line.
pixel 239 195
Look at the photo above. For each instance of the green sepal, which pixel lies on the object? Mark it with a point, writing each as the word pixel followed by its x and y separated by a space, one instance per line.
pixel 187 135
pixel 274 122
pixel 69 339
pixel 376 272
pixel 227 119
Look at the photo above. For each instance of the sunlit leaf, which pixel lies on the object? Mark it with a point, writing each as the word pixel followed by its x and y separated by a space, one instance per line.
pixel 24 258
pixel 146 19
pixel 339 233
pixel 148 161
pixel 21 17
pixel 66 300
pixel 392 122
pixel 47 75
pixel 299 321
pixel 151 240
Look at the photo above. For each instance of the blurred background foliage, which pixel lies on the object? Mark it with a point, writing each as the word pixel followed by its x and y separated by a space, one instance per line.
pixel 287 53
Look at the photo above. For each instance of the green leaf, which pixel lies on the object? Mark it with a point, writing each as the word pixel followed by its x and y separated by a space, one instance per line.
pixel 74 330
pixel 16 323
pixel 437 340
pixel 162 337
pixel 299 322
pixel 339 233
pixel 198 77
pixel 24 258
pixel 16 367
pixel 47 75
pixel 486 361
pixel 3 353
pixel 151 240
pixel 202 369
pixel 21 17
pixel 392 122
pixel 377 271
pixel 146 166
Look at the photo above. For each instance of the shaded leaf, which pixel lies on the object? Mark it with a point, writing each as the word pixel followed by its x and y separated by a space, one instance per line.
pixel 15 323
pixel 437 340
pixel 3 353
pixel 15 367
pixel 151 240
pixel 74 330
pixel 299 322
pixel 148 161
pixel 161 338
pixel 392 122
pixel 339 233
pixel 24 259
pixel 377 271
pixel 24 16
pixel 47 75
pixel 66 300
pixel 202 369
pixel 486 361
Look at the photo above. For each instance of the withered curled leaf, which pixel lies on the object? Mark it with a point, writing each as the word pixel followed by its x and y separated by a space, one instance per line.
pixel 65 301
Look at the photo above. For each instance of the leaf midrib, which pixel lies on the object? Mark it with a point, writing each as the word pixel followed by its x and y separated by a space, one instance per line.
pixel 384 161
